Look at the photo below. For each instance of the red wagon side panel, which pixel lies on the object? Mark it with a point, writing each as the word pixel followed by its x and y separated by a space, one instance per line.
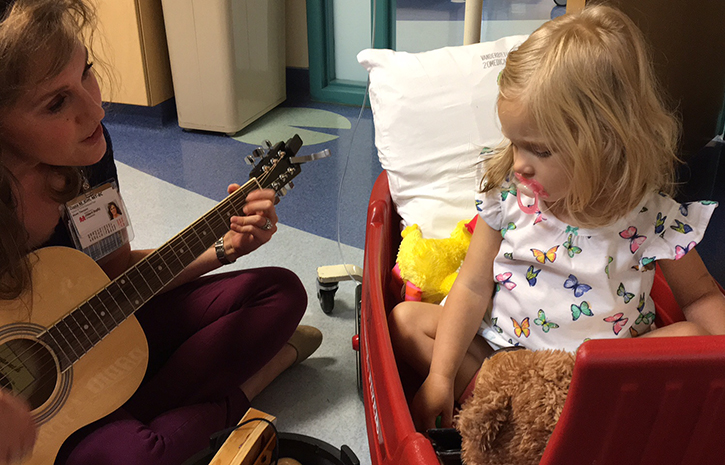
pixel 391 434
pixel 646 401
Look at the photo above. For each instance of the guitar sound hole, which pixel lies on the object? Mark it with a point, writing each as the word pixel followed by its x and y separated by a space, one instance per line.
pixel 28 369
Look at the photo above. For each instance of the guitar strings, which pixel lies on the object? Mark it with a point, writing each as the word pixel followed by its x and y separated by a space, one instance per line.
pixel 217 221
pixel 75 346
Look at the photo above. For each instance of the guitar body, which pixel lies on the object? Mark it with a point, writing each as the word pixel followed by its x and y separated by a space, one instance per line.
pixel 97 384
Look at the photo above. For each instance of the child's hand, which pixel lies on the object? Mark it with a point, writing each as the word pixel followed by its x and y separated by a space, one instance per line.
pixel 434 398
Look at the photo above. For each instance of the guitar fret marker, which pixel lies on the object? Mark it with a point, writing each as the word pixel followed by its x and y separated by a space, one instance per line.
pixel 88 323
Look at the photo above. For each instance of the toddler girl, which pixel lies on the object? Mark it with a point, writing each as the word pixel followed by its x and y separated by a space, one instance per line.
pixel 576 211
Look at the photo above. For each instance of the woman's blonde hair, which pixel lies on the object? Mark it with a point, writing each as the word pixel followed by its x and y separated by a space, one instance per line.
pixel 587 82
pixel 37 39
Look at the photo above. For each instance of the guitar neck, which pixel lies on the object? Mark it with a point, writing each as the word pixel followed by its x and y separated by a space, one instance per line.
pixel 81 329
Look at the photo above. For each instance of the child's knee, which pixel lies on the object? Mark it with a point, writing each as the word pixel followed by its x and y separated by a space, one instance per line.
pixel 688 328
pixel 681 328
pixel 400 318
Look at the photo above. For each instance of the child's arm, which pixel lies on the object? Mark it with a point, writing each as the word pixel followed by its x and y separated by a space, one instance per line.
pixel 696 292
pixel 460 319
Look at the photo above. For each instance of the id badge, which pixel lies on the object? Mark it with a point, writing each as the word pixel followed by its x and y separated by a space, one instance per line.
pixel 98 221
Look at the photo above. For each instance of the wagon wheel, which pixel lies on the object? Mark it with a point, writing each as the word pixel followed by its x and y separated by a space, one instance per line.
pixel 326 295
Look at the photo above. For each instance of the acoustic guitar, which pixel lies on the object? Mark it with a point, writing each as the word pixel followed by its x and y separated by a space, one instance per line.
pixel 72 347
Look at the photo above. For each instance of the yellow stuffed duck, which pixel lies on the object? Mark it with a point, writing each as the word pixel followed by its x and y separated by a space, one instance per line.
pixel 428 267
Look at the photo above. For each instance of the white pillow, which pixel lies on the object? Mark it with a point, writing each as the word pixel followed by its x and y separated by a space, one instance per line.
pixel 433 113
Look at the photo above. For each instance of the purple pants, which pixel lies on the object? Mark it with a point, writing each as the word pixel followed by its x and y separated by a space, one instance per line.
pixel 205 339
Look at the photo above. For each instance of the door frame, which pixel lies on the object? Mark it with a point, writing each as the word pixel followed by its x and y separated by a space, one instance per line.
pixel 324 86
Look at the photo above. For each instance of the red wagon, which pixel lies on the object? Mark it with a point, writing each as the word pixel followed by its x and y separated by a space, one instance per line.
pixel 654 401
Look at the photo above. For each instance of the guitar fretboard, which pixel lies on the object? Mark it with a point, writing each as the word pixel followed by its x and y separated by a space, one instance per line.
pixel 81 329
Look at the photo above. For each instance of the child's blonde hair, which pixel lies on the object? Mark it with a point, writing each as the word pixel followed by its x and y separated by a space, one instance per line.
pixel 587 82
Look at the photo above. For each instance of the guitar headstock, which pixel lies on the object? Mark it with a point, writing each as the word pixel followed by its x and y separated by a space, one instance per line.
pixel 274 168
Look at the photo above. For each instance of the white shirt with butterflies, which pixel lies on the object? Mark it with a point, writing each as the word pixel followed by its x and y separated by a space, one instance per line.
pixel 557 285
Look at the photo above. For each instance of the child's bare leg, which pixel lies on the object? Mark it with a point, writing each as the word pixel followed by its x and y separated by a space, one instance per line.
pixel 681 328
pixel 412 331
pixel 413 327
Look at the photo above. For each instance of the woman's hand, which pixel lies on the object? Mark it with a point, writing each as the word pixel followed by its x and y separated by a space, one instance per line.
pixel 17 429
pixel 249 232
pixel 434 398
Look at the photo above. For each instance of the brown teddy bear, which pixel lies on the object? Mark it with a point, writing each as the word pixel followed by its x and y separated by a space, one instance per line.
pixel 517 400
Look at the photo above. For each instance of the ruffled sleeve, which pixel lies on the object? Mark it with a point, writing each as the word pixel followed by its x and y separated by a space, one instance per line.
pixel 488 205
pixel 677 227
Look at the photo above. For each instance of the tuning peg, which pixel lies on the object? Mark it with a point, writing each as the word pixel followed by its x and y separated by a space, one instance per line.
pixel 257 153
pixel 268 143
pixel 286 188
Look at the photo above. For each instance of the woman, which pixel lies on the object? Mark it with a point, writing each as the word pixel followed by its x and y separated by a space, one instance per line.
pixel 214 341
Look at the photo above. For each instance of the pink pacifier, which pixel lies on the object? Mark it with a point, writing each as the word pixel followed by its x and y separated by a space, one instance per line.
pixel 536 189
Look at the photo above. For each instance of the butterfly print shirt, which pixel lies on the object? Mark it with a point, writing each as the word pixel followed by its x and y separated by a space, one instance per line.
pixel 558 285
